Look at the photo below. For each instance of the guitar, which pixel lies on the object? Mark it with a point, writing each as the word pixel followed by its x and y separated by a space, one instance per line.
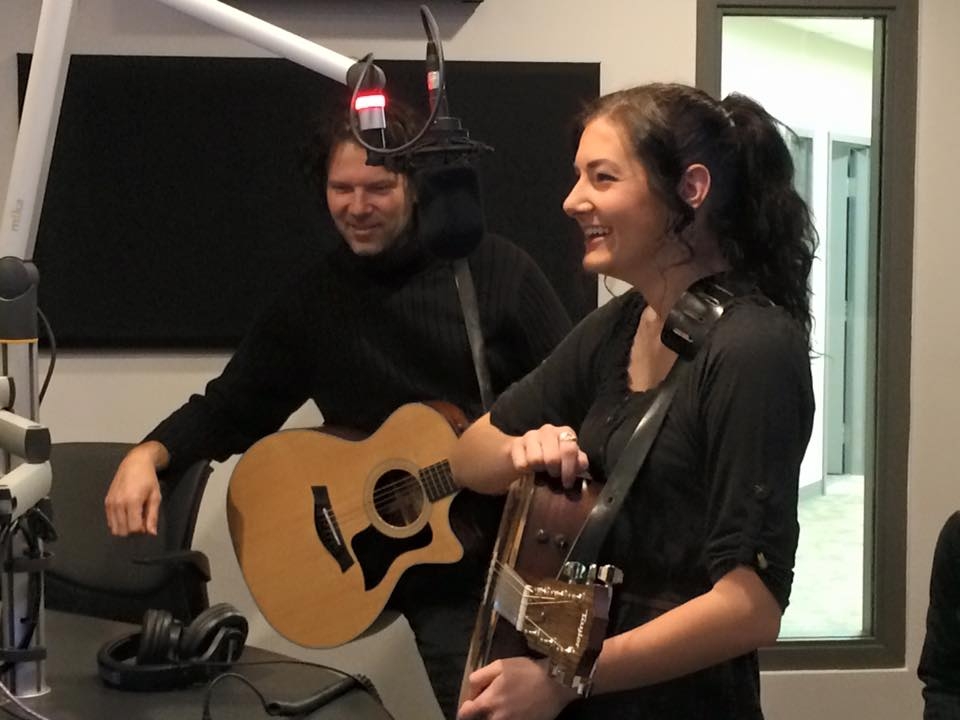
pixel 535 603
pixel 324 526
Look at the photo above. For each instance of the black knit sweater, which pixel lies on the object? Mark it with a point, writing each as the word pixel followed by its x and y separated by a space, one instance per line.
pixel 362 336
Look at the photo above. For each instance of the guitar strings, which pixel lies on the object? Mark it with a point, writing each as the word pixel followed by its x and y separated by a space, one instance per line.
pixel 391 490
pixel 517 583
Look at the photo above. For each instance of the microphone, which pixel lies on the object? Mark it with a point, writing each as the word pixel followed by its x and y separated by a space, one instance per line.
pixel 369 101
pixel 327 695
pixel 450 216
pixel 435 94
pixel 449 211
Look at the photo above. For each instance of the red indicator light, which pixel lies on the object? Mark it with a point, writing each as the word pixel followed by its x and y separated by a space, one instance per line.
pixel 370 101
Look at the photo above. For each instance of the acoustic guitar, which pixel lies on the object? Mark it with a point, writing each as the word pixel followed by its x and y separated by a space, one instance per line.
pixel 535 602
pixel 324 526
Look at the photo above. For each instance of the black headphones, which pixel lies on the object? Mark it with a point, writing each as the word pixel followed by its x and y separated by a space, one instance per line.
pixel 166 655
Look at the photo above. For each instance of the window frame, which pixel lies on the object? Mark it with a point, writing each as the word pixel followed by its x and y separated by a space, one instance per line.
pixel 895 76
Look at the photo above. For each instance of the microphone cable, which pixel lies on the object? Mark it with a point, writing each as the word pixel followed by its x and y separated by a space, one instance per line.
pixel 53 356
pixel 433 34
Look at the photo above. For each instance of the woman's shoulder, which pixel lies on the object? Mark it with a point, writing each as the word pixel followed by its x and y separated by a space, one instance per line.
pixel 752 323
pixel 753 341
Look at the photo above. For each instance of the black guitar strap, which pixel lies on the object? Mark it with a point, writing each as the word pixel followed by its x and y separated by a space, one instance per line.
pixel 471 319
pixel 687 326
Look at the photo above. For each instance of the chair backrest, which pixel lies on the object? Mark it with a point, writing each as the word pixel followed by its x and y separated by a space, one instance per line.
pixel 95 573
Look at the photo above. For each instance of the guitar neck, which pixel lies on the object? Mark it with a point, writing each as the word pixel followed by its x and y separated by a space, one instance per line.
pixel 438 480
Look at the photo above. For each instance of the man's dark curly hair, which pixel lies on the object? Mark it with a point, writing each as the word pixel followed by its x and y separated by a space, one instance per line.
pixel 333 129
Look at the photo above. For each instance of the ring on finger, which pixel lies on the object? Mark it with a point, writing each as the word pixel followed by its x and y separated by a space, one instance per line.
pixel 567 436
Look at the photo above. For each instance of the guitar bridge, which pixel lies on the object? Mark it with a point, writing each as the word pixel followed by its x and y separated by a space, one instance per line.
pixel 325 523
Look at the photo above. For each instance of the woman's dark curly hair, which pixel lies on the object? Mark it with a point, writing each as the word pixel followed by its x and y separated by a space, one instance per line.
pixel 762 224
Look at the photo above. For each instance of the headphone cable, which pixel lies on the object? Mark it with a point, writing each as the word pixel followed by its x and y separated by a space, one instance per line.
pixel 208 695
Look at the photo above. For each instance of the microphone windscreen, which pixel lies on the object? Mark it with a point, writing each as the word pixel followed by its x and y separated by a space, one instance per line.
pixel 449 210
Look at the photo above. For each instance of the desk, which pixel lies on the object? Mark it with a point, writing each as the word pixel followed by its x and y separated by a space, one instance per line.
pixel 76 692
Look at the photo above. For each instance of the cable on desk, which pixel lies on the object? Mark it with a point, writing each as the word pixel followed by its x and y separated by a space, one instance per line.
pixel 346 683
pixel 223 676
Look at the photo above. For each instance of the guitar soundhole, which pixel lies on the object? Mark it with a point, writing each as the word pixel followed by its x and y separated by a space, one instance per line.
pixel 398 498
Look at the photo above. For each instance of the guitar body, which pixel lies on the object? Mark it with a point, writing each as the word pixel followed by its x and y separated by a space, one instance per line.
pixel 563 621
pixel 323 527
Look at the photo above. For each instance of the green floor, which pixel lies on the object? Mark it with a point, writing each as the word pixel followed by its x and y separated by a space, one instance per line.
pixel 827 596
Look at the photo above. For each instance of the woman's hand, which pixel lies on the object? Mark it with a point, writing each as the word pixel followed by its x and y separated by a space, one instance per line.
pixel 487 460
pixel 514 689
pixel 549 449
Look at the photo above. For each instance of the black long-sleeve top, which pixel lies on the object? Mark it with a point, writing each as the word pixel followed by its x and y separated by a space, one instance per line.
pixel 718 488
pixel 363 335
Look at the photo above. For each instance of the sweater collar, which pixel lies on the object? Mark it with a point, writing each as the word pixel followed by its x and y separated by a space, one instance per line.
pixel 403 258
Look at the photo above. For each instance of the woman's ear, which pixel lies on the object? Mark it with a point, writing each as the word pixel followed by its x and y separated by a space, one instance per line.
pixel 695 185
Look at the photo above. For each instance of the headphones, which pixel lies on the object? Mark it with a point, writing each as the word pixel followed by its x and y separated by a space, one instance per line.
pixel 167 655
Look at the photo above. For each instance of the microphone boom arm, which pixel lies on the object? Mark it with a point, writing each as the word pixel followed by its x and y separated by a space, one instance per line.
pixel 41 108
pixel 21 488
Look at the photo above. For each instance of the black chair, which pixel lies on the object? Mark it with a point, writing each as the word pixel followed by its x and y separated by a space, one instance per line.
pixel 95 573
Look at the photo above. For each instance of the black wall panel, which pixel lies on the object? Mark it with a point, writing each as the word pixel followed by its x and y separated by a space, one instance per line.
pixel 176 202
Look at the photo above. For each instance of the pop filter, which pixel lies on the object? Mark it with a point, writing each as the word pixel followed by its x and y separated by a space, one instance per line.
pixel 449 210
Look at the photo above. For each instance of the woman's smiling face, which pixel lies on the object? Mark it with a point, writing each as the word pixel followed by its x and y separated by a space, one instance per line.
pixel 624 223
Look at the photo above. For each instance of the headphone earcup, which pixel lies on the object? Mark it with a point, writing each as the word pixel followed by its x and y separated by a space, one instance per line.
pixel 159 638
pixel 119 668
pixel 165 655
pixel 216 634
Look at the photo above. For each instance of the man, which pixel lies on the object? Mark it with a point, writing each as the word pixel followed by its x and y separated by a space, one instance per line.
pixel 376 324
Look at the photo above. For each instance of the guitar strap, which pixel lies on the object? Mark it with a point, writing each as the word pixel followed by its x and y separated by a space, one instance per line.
pixel 687 326
pixel 471 320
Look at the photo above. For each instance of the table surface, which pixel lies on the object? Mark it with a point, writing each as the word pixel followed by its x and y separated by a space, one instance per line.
pixel 77 693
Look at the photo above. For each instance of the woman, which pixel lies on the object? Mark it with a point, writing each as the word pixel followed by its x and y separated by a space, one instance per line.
pixel 672 187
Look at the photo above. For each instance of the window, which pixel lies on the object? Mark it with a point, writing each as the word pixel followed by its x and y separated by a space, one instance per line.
pixel 834 72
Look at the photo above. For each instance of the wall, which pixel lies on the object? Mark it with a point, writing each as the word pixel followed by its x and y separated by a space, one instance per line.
pixel 120 396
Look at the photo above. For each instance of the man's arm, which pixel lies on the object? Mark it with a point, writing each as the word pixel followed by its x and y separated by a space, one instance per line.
pixel 265 380
pixel 133 500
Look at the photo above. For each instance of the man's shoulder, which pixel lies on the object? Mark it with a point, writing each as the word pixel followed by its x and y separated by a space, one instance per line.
pixel 499 257
pixel 301 286
pixel 494 245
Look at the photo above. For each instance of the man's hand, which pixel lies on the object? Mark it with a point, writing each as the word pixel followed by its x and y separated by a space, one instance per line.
pixel 133 499
pixel 514 689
